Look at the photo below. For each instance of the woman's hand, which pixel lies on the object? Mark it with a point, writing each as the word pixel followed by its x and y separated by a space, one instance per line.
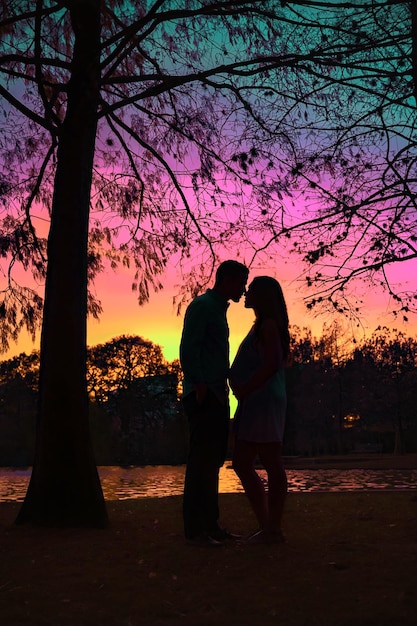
pixel 238 391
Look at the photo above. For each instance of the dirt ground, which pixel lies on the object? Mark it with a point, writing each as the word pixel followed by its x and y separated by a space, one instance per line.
pixel 350 560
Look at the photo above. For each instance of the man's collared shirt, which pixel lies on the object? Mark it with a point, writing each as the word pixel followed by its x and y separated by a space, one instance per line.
pixel 204 348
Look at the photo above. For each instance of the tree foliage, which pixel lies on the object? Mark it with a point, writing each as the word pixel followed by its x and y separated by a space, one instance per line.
pixel 111 366
pixel 114 365
pixel 394 356
pixel 253 126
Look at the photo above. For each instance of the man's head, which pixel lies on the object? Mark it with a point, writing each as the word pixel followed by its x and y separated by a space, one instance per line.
pixel 231 279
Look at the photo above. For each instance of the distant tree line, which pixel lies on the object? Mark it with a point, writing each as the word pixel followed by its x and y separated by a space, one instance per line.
pixel 135 414
pixel 342 397
pixel 345 397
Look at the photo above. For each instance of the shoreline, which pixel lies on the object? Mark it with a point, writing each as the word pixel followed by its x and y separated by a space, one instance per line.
pixel 384 461
pixel 343 461
pixel 353 461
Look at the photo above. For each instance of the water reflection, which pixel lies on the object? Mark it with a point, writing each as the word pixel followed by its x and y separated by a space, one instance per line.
pixel 121 483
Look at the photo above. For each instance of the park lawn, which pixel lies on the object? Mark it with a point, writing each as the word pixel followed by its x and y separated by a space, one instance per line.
pixel 350 560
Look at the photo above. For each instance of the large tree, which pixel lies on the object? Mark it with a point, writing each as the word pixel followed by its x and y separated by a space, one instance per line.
pixel 140 133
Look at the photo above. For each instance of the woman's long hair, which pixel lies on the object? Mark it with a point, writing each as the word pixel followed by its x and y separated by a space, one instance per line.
pixel 270 303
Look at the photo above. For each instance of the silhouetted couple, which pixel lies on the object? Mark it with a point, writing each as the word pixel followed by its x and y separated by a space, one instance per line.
pixel 257 379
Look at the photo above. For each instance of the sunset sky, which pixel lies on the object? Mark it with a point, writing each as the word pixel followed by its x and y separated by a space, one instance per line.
pixel 159 322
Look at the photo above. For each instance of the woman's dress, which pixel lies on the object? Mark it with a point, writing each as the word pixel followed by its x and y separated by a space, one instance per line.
pixel 260 416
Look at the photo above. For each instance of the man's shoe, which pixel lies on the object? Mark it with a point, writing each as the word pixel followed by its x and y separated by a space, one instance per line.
pixel 204 541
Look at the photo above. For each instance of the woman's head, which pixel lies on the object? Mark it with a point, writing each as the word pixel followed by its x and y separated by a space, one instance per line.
pixel 264 295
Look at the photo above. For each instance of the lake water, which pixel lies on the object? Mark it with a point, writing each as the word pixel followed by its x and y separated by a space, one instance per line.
pixel 120 483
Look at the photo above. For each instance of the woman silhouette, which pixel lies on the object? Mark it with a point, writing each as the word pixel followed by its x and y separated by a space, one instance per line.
pixel 257 379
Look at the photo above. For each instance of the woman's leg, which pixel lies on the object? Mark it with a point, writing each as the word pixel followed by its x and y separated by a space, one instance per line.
pixel 244 456
pixel 270 455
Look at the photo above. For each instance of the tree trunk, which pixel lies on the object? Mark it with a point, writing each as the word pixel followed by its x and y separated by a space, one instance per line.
pixel 399 433
pixel 65 489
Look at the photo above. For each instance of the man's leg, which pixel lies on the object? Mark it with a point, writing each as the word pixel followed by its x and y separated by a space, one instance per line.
pixel 217 436
pixel 208 423
pixel 192 500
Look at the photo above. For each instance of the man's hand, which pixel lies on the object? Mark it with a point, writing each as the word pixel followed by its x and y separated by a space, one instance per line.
pixel 200 392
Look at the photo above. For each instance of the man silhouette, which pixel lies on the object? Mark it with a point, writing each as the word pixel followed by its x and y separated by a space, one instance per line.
pixel 204 356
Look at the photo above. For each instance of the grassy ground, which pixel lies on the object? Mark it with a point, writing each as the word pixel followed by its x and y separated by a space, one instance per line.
pixel 350 560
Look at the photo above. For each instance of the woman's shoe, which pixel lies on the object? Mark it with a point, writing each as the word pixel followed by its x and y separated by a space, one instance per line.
pixel 251 534
pixel 265 536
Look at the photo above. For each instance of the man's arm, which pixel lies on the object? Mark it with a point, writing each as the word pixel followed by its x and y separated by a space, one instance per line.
pixel 191 347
